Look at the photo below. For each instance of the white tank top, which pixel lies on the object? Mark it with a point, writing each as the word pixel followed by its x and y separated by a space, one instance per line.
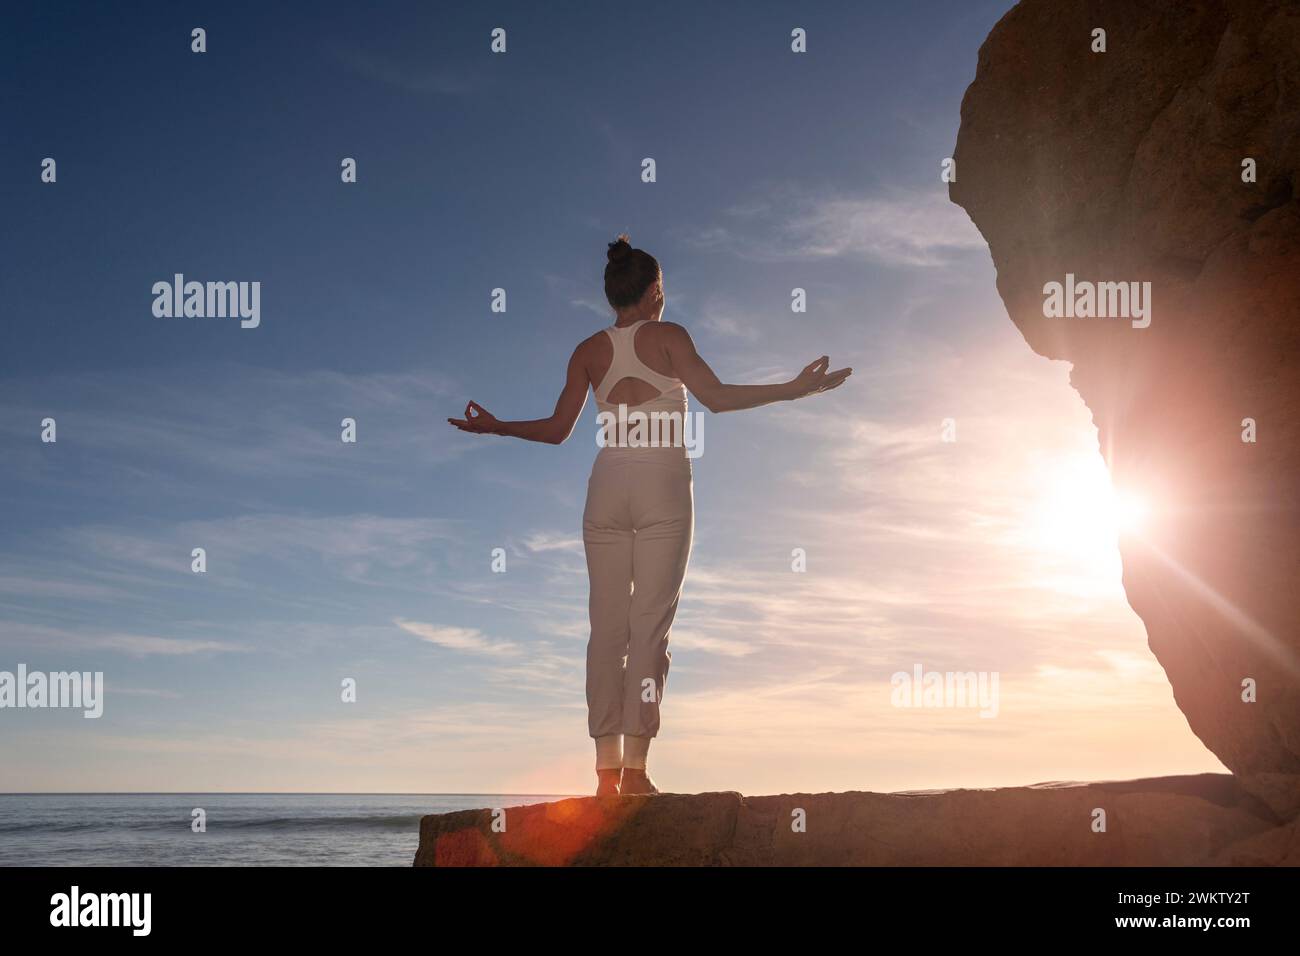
pixel 625 364
pixel 664 416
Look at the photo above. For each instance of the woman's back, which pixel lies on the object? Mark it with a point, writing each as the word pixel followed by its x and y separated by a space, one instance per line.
pixel 631 376
pixel 629 366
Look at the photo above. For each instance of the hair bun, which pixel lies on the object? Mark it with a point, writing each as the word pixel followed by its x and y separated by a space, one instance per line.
pixel 620 248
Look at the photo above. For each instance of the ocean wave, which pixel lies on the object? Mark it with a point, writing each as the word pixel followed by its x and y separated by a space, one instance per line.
pixel 216 823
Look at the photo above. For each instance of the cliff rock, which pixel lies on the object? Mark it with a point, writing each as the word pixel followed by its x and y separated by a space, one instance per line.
pixel 1131 165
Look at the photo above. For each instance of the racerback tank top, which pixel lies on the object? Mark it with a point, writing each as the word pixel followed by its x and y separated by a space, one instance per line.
pixel 625 364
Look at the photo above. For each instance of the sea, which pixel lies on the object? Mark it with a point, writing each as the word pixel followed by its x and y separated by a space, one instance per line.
pixel 241 829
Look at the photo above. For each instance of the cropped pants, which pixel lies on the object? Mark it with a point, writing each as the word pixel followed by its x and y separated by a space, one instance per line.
pixel 636 530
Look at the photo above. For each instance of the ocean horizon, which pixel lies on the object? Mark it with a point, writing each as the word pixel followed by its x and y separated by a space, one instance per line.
pixel 241 829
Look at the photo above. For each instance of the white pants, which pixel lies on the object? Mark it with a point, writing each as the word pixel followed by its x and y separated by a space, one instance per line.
pixel 636 529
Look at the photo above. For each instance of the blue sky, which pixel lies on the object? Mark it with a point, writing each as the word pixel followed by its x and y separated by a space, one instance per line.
pixel 372 561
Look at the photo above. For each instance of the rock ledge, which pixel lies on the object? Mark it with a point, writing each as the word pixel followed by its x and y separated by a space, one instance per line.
pixel 1200 820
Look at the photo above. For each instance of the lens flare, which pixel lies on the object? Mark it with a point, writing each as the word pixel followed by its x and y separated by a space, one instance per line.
pixel 1079 519
pixel 1129 512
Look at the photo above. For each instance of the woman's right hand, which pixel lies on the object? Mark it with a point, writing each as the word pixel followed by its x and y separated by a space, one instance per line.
pixel 477 420
pixel 815 378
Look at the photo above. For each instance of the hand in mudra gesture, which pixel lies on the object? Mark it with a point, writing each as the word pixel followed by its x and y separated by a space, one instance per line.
pixel 477 419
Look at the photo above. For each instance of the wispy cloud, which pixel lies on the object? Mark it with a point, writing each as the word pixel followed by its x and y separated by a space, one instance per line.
pixel 467 639
pixel 149 692
pixel 15 634
pixel 49 588
pixel 919 229
pixel 692 641
pixel 553 541
pixel 411 77
pixel 142 645
pixel 170 428
pixel 729 321
pixel 350 545
pixel 578 294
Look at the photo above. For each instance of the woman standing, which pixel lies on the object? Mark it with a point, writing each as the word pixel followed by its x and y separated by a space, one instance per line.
pixel 639 516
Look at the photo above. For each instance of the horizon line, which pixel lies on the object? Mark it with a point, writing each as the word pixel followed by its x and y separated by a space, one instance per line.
pixel 265 793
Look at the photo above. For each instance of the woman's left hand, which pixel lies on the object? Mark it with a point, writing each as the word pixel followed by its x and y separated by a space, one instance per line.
pixel 477 419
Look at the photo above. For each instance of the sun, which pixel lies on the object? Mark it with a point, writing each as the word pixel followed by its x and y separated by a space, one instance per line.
pixel 1129 512
pixel 1079 515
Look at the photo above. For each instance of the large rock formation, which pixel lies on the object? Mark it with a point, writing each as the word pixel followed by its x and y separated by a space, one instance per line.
pixel 1172 821
pixel 1127 165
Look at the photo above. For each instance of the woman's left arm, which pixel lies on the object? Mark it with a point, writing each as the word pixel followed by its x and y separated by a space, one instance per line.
pixel 552 430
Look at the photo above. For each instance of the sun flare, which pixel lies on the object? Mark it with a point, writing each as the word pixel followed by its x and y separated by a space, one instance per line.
pixel 1129 512
pixel 1081 516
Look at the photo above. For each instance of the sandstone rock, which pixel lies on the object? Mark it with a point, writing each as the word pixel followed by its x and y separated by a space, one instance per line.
pixel 1127 165
pixel 1172 821
pixel 667 830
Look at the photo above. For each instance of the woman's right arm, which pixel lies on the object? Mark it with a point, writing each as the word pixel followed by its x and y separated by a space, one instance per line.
pixel 552 430
pixel 717 396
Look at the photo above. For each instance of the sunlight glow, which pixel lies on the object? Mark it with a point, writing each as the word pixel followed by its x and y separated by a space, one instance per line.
pixel 1079 516
pixel 1129 511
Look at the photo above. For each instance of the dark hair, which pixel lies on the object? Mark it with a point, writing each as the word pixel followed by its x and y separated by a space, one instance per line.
pixel 629 273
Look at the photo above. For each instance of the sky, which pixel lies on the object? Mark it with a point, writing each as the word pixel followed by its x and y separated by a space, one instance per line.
pixel 373 561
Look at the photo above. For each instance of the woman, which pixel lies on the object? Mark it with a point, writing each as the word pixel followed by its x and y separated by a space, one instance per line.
pixel 639 516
